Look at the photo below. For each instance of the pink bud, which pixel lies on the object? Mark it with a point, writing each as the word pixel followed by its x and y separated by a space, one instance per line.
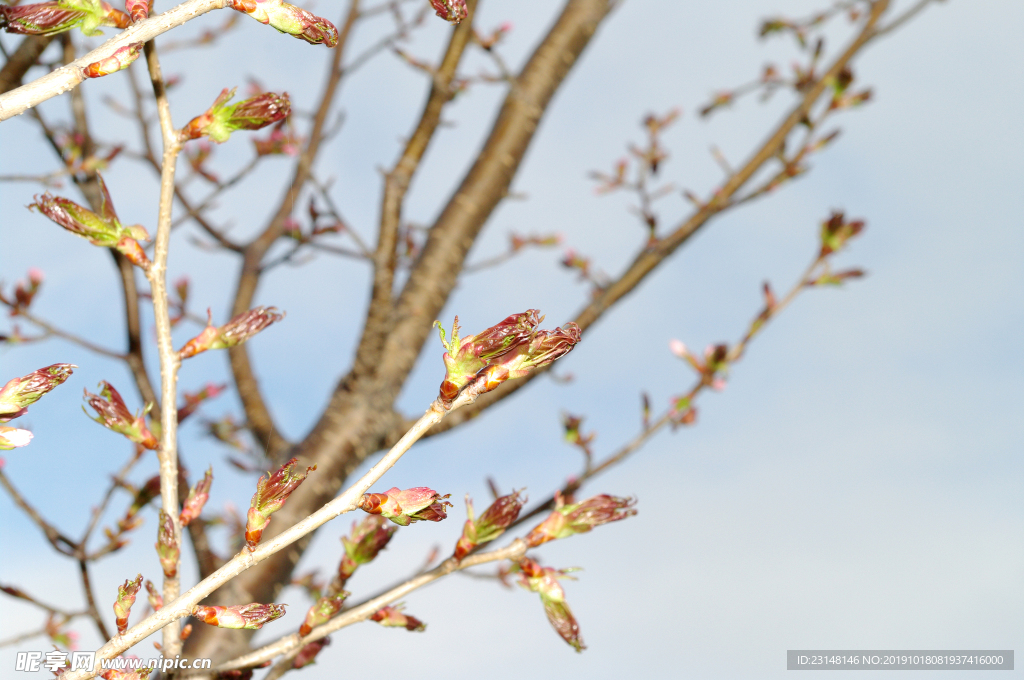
pixel 243 616
pixel 125 599
pixel 392 617
pixel 19 393
pixel 452 11
pixel 406 507
pixel 197 497
pixel 271 493
pixel 113 414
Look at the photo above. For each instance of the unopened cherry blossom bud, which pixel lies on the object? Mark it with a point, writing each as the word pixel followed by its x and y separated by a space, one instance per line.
pixel 104 229
pixel 13 437
pixel 579 518
pixel 836 231
pixel 194 399
pixel 368 538
pixel 490 525
pixel 271 493
pixel 236 331
pixel 121 59
pixel 112 414
pixel 156 600
pixel 247 616
pixel 125 599
pixel 167 547
pixel 19 393
pixel 392 617
pixel 308 653
pixel 138 9
pixel 221 119
pixel 290 19
pixel 544 582
pixel 197 497
pixel 544 348
pixel 323 611
pixel 465 357
pixel 25 292
pixel 405 507
pixel 51 18
pixel 452 11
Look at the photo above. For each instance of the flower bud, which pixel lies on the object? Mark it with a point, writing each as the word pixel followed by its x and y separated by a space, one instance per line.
pixel 122 58
pixel 368 538
pixel 308 653
pixel 490 525
pixel 167 547
pixel 290 19
pixel 221 119
pixel 194 399
pixel 138 9
pixel 405 507
pixel 24 292
pixel 543 349
pixel 103 230
pixel 19 393
pixel 392 617
pixel 323 611
pixel 236 331
pixel 836 231
pixel 156 600
pixel 112 414
pixel 51 18
pixel 452 11
pixel 579 518
pixel 197 497
pixel 544 582
pixel 468 356
pixel 125 599
pixel 13 437
pixel 247 616
pixel 271 493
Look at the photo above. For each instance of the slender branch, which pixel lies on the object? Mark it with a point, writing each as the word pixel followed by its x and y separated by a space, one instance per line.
pixel 55 537
pixel 291 645
pixel 61 80
pixel 94 613
pixel 70 337
pixel 169 361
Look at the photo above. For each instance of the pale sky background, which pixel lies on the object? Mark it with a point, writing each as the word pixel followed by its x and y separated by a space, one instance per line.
pixel 856 486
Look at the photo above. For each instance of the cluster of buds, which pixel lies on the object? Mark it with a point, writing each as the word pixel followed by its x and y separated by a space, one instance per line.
pixel 112 414
pixel 19 393
pixel 322 611
pixel 579 518
pixel 271 493
pixel 290 19
pixel 405 507
pixel 307 655
pixel 194 399
pixel 368 538
pixel 197 497
pixel 125 599
pixel 544 582
pixel 57 16
pixel 715 361
pixel 452 11
pixel 104 229
pixel 836 231
pixel 280 141
pixel 240 616
pixel 122 58
pixel 236 331
pixel 490 525
pixel 505 351
pixel 24 292
pixel 221 119
pixel 392 617
pixel 573 435
pixel 167 547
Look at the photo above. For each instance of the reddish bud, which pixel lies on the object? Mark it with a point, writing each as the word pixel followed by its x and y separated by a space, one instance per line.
pixel 490 525
pixel 25 292
pixel 544 582
pixel 368 538
pixel 112 414
pixel 247 616
pixel 138 9
pixel 579 518
pixel 156 600
pixel 392 617
pixel 51 18
pixel 125 599
pixel 194 399
pixel 20 393
pixel 406 507
pixel 221 119
pixel 167 547
pixel 236 331
pixel 544 348
pixel 452 11
pixel 122 58
pixel 323 611
pixel 836 231
pixel 290 19
pixel 308 653
pixel 271 493
pixel 197 497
